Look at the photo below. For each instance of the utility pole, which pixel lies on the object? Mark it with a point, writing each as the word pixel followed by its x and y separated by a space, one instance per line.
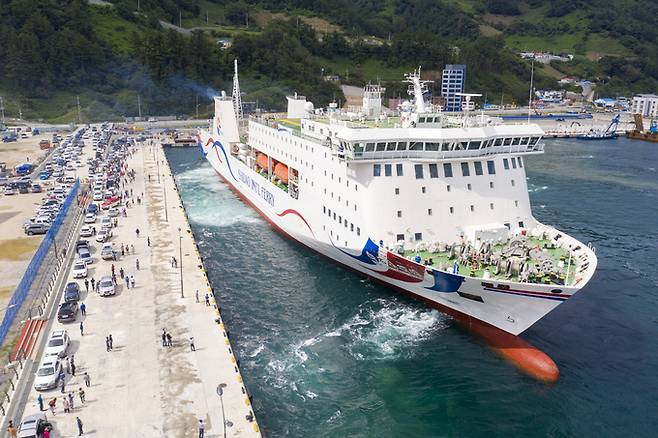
pixel 137 5
pixel 206 17
pixel 20 111
pixel 197 106
pixel 532 77
pixel 139 105
pixel 79 116
pixel 2 110
pixel 180 260
pixel 180 19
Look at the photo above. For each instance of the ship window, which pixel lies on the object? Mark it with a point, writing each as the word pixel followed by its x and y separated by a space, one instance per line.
pixel 468 186
pixel 345 223
pixel 478 167
pixel 334 215
pixel 416 146
pixel 506 163
pixel 452 210
pixel 429 212
pixel 516 203
pixel 419 171
pixel 447 170
pixel 399 237
pixel 381 147
pixel 534 141
pixel 418 236
pixel 423 189
pixel 491 206
pixel 516 141
pixel 507 225
pixel 329 212
pixel 370 147
pixel 491 167
pixel 513 183
pixel 513 163
pixel 520 162
pixel 491 185
pixel 397 190
pixel 465 171
pixel 398 169
pixel 358 231
pixel 434 171
pixel 521 224
pixel 507 142
pixel 498 142
pixel 351 226
pixel 432 146
pixel 390 146
pixel 448 187
pixel 421 119
pixel 340 219
pixel 472 208
pixel 474 145
pixel 358 149
pixel 388 170
pixel 324 209
pixel 402 145
pixel 399 213
pixel 376 170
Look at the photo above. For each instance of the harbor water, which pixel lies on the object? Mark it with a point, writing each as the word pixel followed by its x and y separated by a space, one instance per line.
pixel 326 353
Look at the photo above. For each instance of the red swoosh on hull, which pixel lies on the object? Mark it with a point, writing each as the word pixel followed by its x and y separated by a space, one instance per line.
pixel 296 213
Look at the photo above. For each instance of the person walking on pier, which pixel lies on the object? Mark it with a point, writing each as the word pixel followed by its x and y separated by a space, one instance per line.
pixel 63 384
pixel 137 264
pixel 169 344
pixel 107 343
pixel 112 269
pixel 87 284
pixel 82 329
pixel 40 401
pixel 148 241
pixel 72 367
pixel 197 295
pixel 132 249
pixel 127 282
pixel 132 281
pixel 71 401
pixel 202 429
pixel 93 283
pixel 109 338
pixel 79 423
pixel 67 405
pixel 123 252
pixel 207 300
pixel 121 273
pixel 51 404
pixel 81 393
pixel 83 309
pixel 164 338
pixel 137 232
pixel 12 432
pixel 87 380
pixel 192 348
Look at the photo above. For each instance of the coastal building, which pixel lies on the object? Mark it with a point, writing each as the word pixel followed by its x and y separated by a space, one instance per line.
pixel 452 82
pixel 645 104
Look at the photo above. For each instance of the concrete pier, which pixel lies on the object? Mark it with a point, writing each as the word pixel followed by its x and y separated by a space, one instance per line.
pixel 141 388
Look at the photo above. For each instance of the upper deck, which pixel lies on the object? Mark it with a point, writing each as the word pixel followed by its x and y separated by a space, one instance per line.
pixel 368 141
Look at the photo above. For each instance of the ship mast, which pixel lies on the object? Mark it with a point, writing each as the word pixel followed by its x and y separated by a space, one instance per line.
pixel 416 89
pixel 237 98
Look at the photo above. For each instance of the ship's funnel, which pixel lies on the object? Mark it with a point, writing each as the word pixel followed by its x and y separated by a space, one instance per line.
pixel 297 108
pixel 225 124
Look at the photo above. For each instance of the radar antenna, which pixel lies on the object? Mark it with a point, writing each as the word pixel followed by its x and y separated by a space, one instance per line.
pixel 237 97
pixel 467 105
pixel 417 89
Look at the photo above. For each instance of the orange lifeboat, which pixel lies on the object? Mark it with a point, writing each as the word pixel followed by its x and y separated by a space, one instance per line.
pixel 261 160
pixel 281 171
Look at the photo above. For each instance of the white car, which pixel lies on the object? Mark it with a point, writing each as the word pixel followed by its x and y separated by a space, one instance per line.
pixel 113 212
pixel 79 269
pixel 90 218
pixel 106 286
pixel 106 222
pixel 86 231
pixel 58 344
pixel 103 235
pixel 48 373
pixel 98 196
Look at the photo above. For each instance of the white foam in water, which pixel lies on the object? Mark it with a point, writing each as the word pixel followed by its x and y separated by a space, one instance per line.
pixel 210 202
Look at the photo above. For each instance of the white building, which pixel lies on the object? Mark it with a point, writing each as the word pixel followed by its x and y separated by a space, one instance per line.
pixel 645 104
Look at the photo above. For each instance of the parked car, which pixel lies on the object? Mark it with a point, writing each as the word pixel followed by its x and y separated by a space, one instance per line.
pixel 106 286
pixel 107 252
pixel 79 269
pixel 9 190
pixel 48 373
pixel 103 235
pixel 68 312
pixel 106 222
pixel 85 256
pixel 90 218
pixel 92 208
pixel 33 229
pixel 86 231
pixel 113 212
pixel 58 343
pixel 33 426
pixel 36 188
pixel 72 292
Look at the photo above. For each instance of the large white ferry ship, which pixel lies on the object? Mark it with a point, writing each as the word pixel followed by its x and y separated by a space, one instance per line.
pixel 431 205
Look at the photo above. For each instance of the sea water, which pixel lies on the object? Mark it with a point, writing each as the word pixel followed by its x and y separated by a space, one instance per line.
pixel 326 353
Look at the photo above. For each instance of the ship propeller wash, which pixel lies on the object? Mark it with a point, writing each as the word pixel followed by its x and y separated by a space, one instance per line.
pixel 433 205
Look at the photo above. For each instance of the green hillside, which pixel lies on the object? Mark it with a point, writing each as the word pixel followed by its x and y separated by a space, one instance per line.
pixel 111 56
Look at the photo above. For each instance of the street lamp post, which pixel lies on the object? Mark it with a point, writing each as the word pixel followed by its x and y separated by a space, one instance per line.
pixel 220 393
pixel 164 194
pixel 180 257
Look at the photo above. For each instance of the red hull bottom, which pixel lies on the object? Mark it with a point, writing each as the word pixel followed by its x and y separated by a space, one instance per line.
pixel 522 354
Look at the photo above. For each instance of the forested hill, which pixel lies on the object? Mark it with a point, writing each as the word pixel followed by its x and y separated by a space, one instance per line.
pixel 173 54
